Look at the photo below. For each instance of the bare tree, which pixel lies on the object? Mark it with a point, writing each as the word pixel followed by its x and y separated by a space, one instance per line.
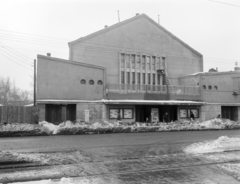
pixel 10 93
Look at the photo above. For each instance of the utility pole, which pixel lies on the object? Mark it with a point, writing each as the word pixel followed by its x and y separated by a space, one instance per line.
pixel 34 84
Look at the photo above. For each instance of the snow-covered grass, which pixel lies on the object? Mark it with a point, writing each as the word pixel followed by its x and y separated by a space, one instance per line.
pixel 68 127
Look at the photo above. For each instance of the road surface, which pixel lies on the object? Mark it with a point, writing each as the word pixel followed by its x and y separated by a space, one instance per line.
pixel 113 158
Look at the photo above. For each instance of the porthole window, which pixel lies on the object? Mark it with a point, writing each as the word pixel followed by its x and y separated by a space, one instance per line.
pixel 209 87
pixel 91 82
pixel 83 81
pixel 215 87
pixel 204 87
pixel 99 82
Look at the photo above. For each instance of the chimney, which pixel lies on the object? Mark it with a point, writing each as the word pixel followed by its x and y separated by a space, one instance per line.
pixel 49 54
pixel 237 69
pixel 137 14
pixel 105 26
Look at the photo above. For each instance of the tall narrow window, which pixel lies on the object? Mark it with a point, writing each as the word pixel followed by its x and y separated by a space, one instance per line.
pixel 157 63
pixel 133 77
pixel 128 77
pixel 143 62
pixel 153 81
pixel 153 63
pixel 158 79
pixel 122 78
pixel 122 61
pixel 138 62
pixel 138 78
pixel 143 78
pixel 133 61
pixel 163 62
pixel 148 62
pixel 149 78
pixel 127 60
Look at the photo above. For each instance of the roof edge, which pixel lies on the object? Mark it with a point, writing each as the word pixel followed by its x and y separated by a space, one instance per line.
pixel 71 62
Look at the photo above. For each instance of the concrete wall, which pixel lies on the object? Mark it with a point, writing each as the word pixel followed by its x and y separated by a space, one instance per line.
pixel 141 36
pixel 210 111
pixel 60 79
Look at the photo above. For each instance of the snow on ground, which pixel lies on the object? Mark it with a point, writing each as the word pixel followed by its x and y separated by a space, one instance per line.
pixel 219 151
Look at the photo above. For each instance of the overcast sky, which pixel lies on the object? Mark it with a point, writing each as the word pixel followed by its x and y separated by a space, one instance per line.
pixel 31 27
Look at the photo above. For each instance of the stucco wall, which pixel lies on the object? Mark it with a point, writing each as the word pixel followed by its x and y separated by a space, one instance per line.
pixel 140 36
pixel 225 85
pixel 60 79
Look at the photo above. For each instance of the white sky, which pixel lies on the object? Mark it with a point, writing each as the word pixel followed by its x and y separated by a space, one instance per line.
pixel 31 27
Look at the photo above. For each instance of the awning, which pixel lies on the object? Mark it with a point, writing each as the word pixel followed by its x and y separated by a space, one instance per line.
pixel 153 102
pixel 127 102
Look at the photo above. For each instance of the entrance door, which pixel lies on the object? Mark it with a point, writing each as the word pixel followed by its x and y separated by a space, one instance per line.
pixel 230 112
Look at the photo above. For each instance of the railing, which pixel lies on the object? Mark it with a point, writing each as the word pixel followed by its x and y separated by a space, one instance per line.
pixel 162 89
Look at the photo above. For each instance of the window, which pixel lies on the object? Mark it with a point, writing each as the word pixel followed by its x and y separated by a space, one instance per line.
pixel 124 113
pixel 99 82
pixel 148 62
pixel 83 81
pixel 153 63
pixel 122 61
pixel 127 60
pixel 149 78
pixel 143 78
pixel 153 79
pixel 209 87
pixel 138 62
pixel 128 77
pixel 133 61
pixel 157 63
pixel 143 62
pixel 204 87
pixel 185 113
pixel 122 78
pixel 91 82
pixel 133 77
pixel 215 87
pixel 138 77
pixel 158 79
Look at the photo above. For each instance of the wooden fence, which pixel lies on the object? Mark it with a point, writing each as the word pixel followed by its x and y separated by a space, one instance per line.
pixel 18 114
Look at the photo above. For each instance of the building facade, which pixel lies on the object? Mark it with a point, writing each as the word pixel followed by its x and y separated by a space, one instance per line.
pixel 131 69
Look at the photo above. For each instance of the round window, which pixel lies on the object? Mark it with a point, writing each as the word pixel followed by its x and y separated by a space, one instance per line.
pixel 99 82
pixel 91 82
pixel 83 81
pixel 215 87
pixel 209 87
pixel 204 87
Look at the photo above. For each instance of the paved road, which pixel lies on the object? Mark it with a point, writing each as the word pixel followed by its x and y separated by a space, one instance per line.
pixel 115 158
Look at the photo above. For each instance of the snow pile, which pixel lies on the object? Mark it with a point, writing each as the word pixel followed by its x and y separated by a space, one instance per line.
pixel 76 127
pixel 218 151
pixel 62 181
pixel 19 129
pixel 221 144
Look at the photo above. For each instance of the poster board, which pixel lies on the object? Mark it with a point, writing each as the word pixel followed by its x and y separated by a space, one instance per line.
pixel 128 113
pixel 113 113
pixel 183 113
pixel 154 115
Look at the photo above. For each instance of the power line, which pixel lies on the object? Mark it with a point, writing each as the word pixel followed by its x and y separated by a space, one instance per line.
pixel 32 34
pixel 224 3
pixel 16 62
pixel 17 53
